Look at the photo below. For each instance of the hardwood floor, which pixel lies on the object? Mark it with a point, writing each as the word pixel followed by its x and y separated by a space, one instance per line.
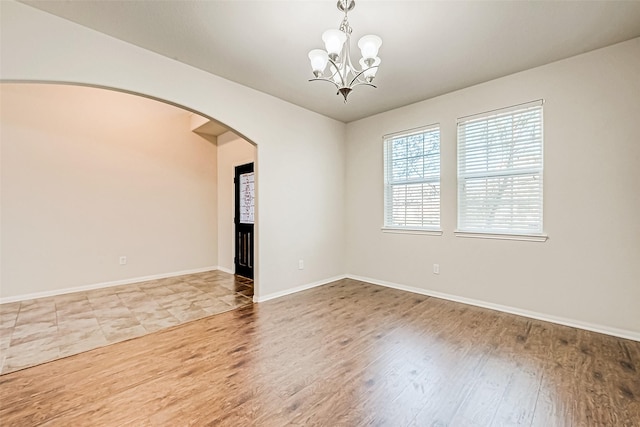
pixel 348 353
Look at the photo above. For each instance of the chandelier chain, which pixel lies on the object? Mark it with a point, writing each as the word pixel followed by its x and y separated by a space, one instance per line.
pixel 344 27
pixel 344 5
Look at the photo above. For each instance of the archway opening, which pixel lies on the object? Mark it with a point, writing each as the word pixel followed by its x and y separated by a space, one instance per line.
pixel 102 188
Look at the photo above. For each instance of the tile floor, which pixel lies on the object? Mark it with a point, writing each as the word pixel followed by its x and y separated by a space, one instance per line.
pixel 44 329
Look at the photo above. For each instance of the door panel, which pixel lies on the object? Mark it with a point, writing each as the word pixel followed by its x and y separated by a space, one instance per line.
pixel 244 219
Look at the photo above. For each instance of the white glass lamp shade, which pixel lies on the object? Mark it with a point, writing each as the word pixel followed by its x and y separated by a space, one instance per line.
pixel 369 46
pixel 333 41
pixel 319 59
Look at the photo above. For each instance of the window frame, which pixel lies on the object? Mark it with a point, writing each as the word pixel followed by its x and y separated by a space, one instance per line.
pixel 512 172
pixel 389 182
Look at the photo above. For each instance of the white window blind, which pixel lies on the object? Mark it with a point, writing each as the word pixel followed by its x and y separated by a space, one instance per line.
pixel 412 179
pixel 500 171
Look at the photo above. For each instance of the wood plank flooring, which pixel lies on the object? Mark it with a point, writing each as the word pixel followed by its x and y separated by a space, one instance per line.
pixel 348 353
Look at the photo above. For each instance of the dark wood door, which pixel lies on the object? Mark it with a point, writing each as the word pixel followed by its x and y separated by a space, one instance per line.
pixel 244 219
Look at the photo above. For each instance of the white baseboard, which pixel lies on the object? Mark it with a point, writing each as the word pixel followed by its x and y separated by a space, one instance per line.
pixel 263 298
pixel 622 333
pixel 225 269
pixel 103 285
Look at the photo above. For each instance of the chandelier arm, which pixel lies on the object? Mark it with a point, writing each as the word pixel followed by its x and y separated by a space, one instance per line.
pixel 347 55
pixel 365 84
pixel 324 79
pixel 359 74
pixel 337 72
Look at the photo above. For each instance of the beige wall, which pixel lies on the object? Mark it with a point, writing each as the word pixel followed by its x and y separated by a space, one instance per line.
pixel 588 272
pixel 232 151
pixel 300 153
pixel 89 175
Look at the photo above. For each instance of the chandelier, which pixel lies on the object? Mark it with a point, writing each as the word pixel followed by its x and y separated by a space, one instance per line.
pixel 342 73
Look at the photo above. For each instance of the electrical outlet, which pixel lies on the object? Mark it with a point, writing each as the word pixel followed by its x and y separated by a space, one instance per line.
pixel 123 260
pixel 436 268
pixel 300 264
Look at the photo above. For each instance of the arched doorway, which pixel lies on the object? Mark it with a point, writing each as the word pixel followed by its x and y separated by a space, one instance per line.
pixel 102 188
pixel 127 141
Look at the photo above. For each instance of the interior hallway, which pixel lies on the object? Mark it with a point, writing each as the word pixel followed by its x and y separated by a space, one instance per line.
pixel 44 329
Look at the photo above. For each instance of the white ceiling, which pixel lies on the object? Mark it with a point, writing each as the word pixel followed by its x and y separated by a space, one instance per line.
pixel 429 47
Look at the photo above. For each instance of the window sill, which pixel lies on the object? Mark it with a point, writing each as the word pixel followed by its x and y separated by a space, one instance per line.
pixel 428 232
pixel 521 237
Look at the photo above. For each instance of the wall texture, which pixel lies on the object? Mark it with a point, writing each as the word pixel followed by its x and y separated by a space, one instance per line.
pixel 300 205
pixel 588 272
pixel 89 175
pixel 232 151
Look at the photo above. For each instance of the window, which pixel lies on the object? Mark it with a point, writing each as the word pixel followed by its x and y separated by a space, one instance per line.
pixel 412 179
pixel 500 171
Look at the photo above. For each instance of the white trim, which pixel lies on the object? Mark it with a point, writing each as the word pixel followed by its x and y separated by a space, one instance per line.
pixel 601 329
pixel 104 285
pixel 274 295
pixel 522 237
pixel 225 270
pixel 411 231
